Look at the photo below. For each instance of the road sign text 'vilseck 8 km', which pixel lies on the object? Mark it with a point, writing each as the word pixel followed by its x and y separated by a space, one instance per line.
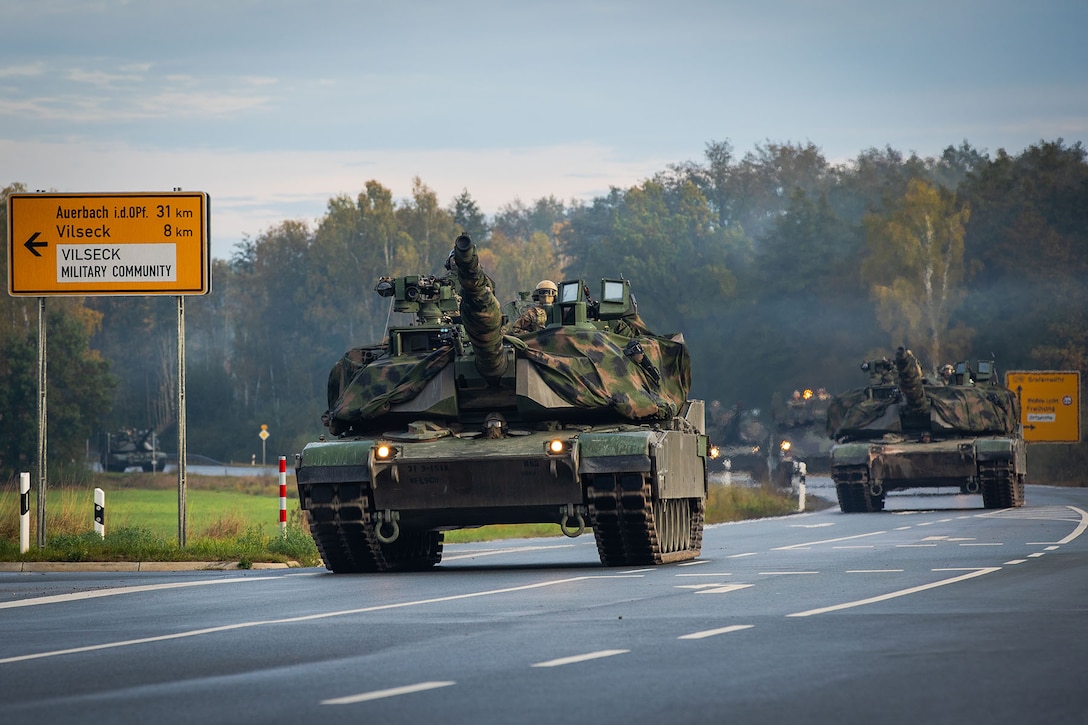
pixel 109 244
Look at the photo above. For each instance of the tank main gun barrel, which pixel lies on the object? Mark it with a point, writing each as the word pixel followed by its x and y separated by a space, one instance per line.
pixel 480 311
pixel 910 381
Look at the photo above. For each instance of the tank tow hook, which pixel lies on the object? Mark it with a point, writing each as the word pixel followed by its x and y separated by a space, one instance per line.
pixel 567 513
pixel 386 521
pixel 972 486
pixel 876 489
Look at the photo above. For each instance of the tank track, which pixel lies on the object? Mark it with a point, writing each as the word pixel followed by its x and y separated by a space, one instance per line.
pixel 852 490
pixel 345 535
pixel 1001 486
pixel 633 528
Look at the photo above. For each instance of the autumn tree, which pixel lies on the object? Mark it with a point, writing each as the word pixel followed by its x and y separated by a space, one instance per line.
pixel 915 269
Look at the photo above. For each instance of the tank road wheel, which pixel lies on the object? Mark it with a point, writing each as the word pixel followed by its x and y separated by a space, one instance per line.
pixel 633 528
pixel 672 521
pixel 1018 491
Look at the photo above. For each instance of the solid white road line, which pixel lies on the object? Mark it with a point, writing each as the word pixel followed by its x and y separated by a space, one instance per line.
pixel 292 620
pixel 391 692
pixel 713 632
pixel 827 541
pixel 582 658
pixel 95 593
pixel 893 595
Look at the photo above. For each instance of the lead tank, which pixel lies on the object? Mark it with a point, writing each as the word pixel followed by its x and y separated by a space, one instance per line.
pixel 449 423
pixel 903 431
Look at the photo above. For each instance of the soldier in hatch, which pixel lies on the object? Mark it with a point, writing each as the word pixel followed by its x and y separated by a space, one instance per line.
pixel 536 317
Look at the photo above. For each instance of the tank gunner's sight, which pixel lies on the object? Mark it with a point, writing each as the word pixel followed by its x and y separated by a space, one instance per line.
pixel 415 288
pixel 882 376
pixel 877 366
pixel 428 297
pixel 880 371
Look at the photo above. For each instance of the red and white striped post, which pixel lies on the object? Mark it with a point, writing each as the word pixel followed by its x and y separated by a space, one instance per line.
pixel 283 495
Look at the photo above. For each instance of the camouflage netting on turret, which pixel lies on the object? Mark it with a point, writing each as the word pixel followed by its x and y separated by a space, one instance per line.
pixel 586 368
pixel 952 409
pixel 362 387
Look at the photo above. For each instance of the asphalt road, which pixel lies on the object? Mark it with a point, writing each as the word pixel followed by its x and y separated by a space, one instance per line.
pixel 935 611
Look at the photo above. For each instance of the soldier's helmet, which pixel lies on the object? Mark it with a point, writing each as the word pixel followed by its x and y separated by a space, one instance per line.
pixel 546 292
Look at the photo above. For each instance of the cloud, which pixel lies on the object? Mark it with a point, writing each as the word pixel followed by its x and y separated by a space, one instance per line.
pixel 104 78
pixel 27 70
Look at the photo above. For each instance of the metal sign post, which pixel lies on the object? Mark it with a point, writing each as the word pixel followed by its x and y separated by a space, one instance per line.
pixel 264 438
pixel 42 422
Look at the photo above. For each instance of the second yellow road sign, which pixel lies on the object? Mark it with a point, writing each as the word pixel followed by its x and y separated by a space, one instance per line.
pixel 1049 404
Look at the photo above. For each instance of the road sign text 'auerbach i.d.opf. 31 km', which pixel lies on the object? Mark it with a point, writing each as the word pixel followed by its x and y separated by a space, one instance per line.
pixel 108 244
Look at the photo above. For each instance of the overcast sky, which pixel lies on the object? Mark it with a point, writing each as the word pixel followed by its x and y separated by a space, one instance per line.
pixel 274 106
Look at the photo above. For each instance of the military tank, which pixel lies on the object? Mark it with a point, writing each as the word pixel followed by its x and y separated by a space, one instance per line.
pixel 800 429
pixel 131 448
pixel 449 423
pixel 903 432
pixel 741 439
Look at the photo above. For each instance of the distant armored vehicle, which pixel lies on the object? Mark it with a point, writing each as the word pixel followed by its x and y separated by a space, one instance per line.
pixel 449 423
pixel 741 439
pixel 800 434
pixel 131 448
pixel 903 432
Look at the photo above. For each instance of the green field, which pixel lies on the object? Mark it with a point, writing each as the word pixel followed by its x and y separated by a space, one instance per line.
pixel 209 512
pixel 205 511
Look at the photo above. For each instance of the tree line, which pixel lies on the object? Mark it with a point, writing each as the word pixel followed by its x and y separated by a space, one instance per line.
pixel 781 269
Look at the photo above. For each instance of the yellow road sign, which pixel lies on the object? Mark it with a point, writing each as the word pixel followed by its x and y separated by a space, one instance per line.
pixel 109 244
pixel 1049 404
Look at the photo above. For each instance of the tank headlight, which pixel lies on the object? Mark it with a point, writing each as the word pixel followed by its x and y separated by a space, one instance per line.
pixel 557 447
pixel 384 452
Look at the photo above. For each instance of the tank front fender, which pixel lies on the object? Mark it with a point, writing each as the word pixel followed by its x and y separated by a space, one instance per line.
pixel 850 454
pixel 625 452
pixel 998 449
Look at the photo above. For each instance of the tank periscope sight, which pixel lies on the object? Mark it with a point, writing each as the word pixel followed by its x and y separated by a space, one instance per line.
pixel 450 423
pixel 904 432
